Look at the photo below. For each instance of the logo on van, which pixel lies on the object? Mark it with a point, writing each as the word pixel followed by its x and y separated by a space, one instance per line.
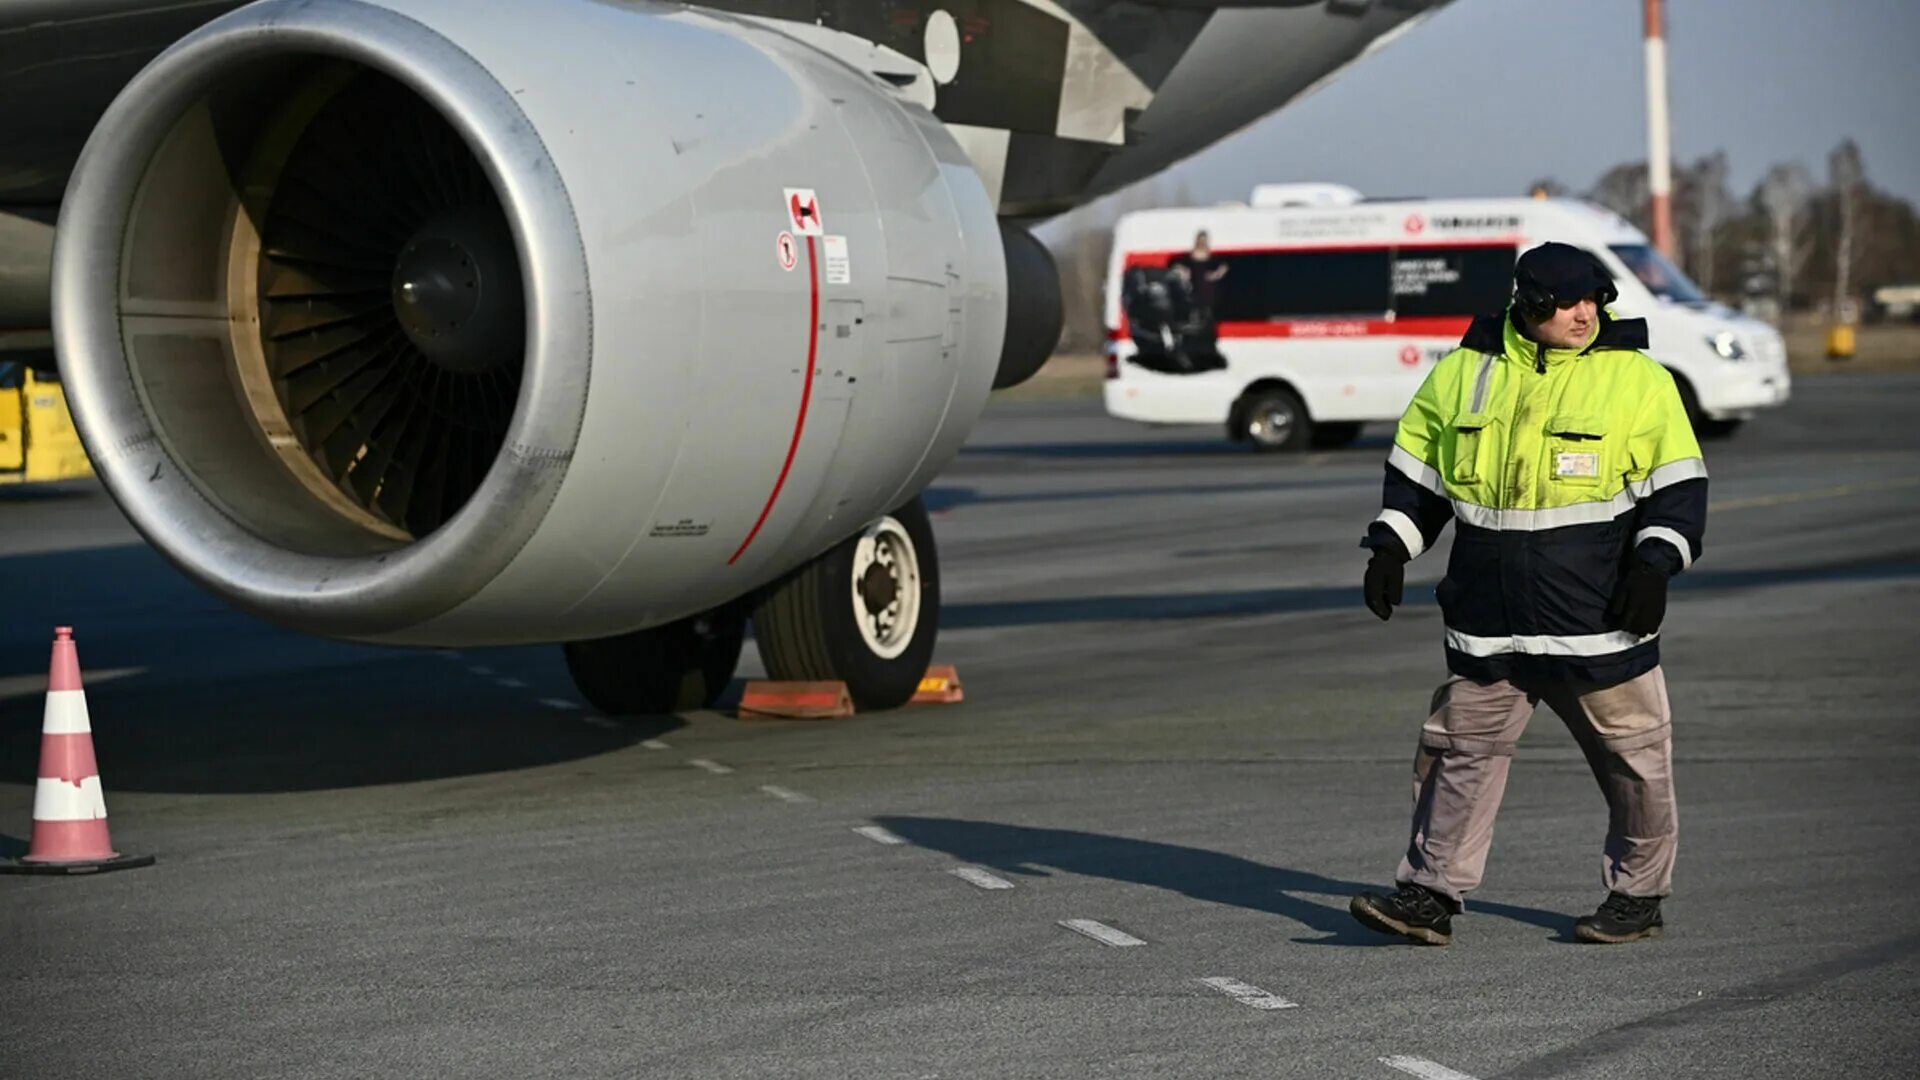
pixel 1477 221
pixel 1415 224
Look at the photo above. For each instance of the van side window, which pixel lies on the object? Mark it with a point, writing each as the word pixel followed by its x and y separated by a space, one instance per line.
pixel 1459 281
pixel 1268 285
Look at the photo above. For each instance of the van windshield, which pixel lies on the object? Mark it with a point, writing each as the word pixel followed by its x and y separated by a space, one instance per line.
pixel 1662 278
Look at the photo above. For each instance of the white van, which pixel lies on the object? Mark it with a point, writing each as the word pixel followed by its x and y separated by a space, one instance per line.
pixel 1332 308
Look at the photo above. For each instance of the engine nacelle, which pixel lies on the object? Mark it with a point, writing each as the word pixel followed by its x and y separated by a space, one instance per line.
pixel 424 321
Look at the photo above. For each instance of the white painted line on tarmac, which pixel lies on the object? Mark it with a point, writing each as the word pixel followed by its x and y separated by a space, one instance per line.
pixel 481 669
pixel 604 722
pixel 1421 1067
pixel 1101 932
pixel 559 703
pixel 976 876
pixel 654 744
pixel 713 767
pixel 1248 995
pixel 511 684
pixel 879 835
pixel 785 794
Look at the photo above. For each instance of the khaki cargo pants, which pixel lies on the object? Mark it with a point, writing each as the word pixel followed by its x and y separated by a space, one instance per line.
pixel 1460 773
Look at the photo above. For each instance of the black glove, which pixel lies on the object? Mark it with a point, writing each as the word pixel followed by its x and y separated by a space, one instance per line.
pixel 1640 603
pixel 1386 579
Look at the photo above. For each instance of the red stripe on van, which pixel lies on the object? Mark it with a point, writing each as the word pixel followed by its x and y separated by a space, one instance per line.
pixel 1159 259
pixel 1447 326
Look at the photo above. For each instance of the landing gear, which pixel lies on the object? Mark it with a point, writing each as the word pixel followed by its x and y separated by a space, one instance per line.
pixel 682 665
pixel 865 613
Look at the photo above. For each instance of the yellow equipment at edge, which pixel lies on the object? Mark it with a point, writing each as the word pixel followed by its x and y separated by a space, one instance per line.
pixel 38 442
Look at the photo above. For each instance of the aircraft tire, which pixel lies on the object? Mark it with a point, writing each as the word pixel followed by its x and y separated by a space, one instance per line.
pixel 866 613
pixel 673 668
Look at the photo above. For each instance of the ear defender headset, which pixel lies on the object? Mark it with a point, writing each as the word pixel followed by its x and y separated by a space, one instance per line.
pixel 1533 300
pixel 1537 303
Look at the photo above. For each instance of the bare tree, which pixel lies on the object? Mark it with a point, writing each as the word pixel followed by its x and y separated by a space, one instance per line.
pixel 1848 176
pixel 1701 201
pixel 1082 256
pixel 1624 189
pixel 1783 197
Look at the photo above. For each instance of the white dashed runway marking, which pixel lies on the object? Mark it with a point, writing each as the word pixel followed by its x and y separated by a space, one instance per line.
pixel 1421 1067
pixel 558 703
pixel 654 744
pixel 879 835
pixel 713 767
pixel 1101 932
pixel 511 684
pixel 976 876
pixel 784 794
pixel 1251 996
pixel 481 669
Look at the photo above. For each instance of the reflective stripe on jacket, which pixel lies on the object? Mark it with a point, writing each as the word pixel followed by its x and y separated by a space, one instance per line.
pixel 1559 465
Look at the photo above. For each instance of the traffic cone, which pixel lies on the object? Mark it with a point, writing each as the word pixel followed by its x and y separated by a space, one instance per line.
pixel 69 806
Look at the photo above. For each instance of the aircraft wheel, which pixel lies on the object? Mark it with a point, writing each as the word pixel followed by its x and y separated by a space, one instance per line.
pixel 865 613
pixel 672 668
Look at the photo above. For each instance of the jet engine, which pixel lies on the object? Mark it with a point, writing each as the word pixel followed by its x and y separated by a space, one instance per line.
pixel 431 322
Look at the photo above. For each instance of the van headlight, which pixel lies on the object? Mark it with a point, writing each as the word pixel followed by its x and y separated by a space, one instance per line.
pixel 1727 344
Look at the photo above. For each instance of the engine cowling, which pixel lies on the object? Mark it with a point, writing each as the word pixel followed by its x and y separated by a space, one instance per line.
pixel 428 322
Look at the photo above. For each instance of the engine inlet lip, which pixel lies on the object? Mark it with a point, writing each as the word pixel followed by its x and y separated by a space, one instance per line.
pixel 372 596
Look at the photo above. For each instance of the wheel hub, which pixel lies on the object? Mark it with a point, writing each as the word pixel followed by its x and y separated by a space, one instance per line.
pixel 879 588
pixel 885 588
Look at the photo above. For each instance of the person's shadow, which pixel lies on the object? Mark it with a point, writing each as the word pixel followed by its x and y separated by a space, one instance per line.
pixel 1203 875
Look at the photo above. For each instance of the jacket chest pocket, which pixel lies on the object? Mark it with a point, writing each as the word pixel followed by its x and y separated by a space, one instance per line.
pixel 1470 439
pixel 1577 450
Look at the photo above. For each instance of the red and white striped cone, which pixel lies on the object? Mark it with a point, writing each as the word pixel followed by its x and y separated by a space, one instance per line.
pixel 69 806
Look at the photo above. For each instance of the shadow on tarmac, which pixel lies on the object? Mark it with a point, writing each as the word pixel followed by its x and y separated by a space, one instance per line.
pixel 1369 444
pixel 943 497
pixel 315 731
pixel 1195 872
pixel 215 701
pixel 1255 602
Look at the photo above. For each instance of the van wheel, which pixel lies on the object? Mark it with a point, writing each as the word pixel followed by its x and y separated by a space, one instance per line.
pixel 682 665
pixel 866 613
pixel 1274 419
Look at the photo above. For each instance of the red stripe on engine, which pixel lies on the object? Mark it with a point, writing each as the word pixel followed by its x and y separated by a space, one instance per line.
pixel 806 398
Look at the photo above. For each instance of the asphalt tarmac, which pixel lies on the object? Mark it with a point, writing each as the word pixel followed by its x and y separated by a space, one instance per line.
pixel 1180 724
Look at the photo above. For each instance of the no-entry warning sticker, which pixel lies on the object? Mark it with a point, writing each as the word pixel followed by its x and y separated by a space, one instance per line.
pixel 803 210
pixel 788 251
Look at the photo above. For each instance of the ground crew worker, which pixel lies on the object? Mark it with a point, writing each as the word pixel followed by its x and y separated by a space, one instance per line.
pixel 1565 456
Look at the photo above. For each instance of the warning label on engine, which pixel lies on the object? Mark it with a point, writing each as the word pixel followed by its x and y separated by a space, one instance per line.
pixel 839 264
pixel 684 528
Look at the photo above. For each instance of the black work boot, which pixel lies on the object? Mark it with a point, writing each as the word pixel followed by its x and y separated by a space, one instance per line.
pixel 1621 918
pixel 1413 911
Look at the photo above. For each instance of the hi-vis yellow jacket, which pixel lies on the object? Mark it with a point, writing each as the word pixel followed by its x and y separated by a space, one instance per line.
pixel 1559 465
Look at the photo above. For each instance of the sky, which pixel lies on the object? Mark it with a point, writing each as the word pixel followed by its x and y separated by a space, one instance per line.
pixel 1487 95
